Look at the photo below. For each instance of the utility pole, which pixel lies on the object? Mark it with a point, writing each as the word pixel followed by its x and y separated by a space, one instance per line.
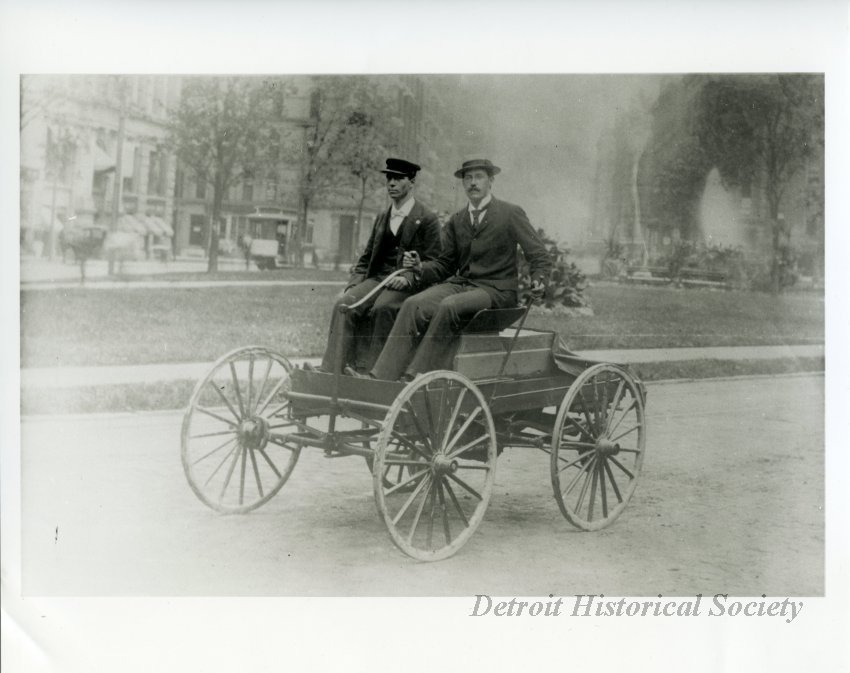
pixel 119 178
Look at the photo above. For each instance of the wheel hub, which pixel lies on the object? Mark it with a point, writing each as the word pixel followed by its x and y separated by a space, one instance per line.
pixel 443 465
pixel 254 433
pixel 606 447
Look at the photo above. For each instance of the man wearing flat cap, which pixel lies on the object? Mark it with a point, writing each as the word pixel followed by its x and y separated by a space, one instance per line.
pixel 476 270
pixel 406 225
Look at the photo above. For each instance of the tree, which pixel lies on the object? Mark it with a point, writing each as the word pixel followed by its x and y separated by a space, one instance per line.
pixel 221 130
pixel 365 141
pixel 60 151
pixel 340 144
pixel 762 127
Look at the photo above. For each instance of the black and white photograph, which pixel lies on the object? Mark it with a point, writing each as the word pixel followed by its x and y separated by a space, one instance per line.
pixel 523 350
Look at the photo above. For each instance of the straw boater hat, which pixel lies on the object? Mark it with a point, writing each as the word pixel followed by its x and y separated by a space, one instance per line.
pixel 401 167
pixel 471 164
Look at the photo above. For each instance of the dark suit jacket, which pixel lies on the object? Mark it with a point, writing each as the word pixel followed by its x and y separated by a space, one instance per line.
pixel 419 231
pixel 487 257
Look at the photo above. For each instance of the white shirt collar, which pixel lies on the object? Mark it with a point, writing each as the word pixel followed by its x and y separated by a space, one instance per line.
pixel 405 208
pixel 481 206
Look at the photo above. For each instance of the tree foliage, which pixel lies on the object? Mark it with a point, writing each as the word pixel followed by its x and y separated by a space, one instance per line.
pixel 221 130
pixel 341 145
pixel 762 128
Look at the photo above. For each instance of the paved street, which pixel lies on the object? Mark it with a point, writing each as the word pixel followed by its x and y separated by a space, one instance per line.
pixel 730 500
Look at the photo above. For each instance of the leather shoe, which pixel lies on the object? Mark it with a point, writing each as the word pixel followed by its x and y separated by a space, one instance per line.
pixel 308 367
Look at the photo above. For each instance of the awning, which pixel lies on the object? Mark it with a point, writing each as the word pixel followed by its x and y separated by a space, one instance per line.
pixel 132 224
pixel 163 228
pixel 102 161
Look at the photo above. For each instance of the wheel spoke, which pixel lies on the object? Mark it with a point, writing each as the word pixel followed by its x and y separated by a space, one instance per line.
pixel 584 431
pixel 409 444
pixel 618 397
pixel 453 418
pixel 210 412
pixel 250 381
pixel 587 480
pixel 216 449
pixel 463 428
pixel 223 461
pixel 582 457
pixel 459 509
pixel 418 514
pixel 430 537
pixel 262 388
pixel 278 409
pixel 271 464
pixel 277 386
pixel 468 446
pixel 229 475
pixel 590 426
pixel 419 429
pixel 593 479
pixel 627 432
pixel 602 491
pixel 256 473
pixel 596 407
pixel 446 528
pixel 466 486
pixel 432 428
pixel 578 475
pixel 213 434
pixel 612 481
pixel 623 417
pixel 621 466
pixel 441 411
pixel 410 499
pixel 238 389
pixel 407 481
pixel 242 475
pixel 603 422
pixel 224 399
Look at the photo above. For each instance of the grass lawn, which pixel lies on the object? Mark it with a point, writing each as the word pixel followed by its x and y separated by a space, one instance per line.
pixel 139 326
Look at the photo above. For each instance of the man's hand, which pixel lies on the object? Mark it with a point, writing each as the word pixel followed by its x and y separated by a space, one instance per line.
pixel 399 283
pixel 538 289
pixel 411 261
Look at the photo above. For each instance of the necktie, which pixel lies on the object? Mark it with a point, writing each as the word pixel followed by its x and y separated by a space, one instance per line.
pixel 475 214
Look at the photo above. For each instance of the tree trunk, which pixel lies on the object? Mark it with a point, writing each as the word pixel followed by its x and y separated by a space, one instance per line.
pixel 776 251
pixel 361 202
pixel 298 252
pixel 637 229
pixel 218 188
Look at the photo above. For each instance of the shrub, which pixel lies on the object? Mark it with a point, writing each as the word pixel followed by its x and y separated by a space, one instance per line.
pixel 566 284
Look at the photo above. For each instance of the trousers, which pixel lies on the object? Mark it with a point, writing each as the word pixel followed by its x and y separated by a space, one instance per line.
pixel 362 335
pixel 423 336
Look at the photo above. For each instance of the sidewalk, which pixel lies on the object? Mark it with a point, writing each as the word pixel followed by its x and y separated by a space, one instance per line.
pixel 73 377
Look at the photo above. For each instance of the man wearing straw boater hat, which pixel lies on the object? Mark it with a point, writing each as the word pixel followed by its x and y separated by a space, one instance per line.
pixel 476 270
pixel 406 225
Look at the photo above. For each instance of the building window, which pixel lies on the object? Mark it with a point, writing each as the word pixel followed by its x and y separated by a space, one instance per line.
pixel 157 172
pixel 200 188
pixel 247 191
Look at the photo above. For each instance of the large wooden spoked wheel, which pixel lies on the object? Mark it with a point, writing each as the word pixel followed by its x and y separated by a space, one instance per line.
pixel 440 430
pixel 598 446
pixel 235 451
